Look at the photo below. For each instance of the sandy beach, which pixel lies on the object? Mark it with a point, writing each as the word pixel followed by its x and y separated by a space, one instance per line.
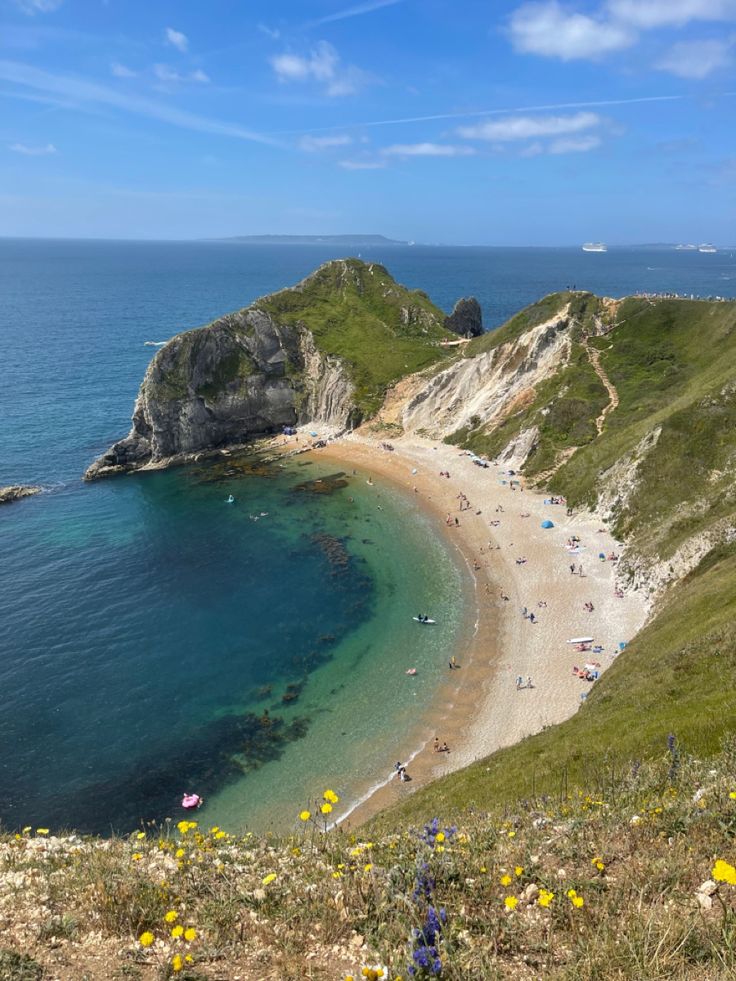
pixel 494 527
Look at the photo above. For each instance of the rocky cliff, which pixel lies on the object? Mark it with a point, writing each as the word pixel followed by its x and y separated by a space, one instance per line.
pixel 466 319
pixel 322 352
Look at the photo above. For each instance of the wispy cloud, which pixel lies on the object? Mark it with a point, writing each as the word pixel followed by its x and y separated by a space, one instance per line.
pixel 697 59
pixel 362 164
pixel 313 143
pixel 273 32
pixel 90 96
pixel 581 145
pixel 33 151
pixel 647 14
pixel 427 150
pixel 321 65
pixel 32 7
pixel 547 28
pixel 167 74
pixel 356 11
pixel 176 39
pixel 122 71
pixel 529 127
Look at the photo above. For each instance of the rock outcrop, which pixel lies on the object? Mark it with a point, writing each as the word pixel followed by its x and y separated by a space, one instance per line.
pixel 303 355
pixel 17 491
pixel 466 319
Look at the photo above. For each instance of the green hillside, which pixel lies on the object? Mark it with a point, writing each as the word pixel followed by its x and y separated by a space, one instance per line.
pixel 356 310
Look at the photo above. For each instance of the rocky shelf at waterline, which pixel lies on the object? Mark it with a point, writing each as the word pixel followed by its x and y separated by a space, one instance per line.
pixel 323 352
pixel 17 491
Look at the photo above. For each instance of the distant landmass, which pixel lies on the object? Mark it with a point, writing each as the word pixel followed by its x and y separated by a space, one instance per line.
pixel 351 240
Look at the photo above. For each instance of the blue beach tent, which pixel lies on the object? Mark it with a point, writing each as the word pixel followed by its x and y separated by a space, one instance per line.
pixel 547 524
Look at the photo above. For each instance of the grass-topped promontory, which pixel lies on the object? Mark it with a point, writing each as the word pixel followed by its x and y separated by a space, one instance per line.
pixel 358 312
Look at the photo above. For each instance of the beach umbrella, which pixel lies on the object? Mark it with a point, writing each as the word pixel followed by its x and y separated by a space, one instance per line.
pixel 547 524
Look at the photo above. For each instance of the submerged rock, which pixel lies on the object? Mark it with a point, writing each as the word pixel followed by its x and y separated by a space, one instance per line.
pixel 466 318
pixel 16 491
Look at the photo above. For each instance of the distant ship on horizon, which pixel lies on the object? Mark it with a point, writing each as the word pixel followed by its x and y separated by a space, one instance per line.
pixel 686 248
pixel 707 248
pixel 595 247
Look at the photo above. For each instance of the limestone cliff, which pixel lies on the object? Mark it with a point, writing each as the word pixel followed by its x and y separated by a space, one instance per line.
pixel 322 352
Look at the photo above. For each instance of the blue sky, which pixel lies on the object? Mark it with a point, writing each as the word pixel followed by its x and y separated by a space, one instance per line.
pixel 461 122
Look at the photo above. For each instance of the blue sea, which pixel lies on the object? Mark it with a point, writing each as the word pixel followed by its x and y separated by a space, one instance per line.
pixel 154 639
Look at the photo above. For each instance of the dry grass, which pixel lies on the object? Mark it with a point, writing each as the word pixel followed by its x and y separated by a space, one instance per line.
pixel 492 896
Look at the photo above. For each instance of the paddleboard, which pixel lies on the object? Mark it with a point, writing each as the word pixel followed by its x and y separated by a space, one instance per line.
pixel 581 640
pixel 423 621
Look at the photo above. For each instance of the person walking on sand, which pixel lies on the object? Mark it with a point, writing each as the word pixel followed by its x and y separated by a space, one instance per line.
pixel 519 683
pixel 529 682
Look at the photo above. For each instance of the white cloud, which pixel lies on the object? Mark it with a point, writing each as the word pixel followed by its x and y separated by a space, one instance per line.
pixel 312 143
pixel 427 150
pixel 697 59
pixel 122 71
pixel 529 127
pixel 32 7
pixel 646 14
pixel 321 65
pixel 361 164
pixel 166 74
pixel 33 151
pixel 176 39
pixel 547 28
pixel 581 145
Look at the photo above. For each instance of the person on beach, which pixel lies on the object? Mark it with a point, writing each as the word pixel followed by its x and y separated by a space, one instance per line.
pixel 452 663
pixel 436 744
pixel 519 683
pixel 457 521
pixel 529 682
pixel 444 748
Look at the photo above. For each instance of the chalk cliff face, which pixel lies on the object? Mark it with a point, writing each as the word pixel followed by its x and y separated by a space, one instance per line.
pixel 315 353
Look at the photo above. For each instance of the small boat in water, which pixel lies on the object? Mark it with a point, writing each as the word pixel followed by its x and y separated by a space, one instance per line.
pixel 424 620
pixel 595 247
pixel 706 247
pixel 230 499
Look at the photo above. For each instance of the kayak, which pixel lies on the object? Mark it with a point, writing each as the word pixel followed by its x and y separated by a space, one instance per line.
pixel 418 620
pixel 581 640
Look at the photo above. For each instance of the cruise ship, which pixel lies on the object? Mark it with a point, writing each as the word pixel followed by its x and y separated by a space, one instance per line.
pixel 707 248
pixel 595 247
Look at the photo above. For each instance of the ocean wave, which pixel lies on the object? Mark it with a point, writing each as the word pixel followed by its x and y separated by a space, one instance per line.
pixel 154 343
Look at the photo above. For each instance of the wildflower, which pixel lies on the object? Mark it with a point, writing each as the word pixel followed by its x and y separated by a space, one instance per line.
pixel 512 834
pixel 505 880
pixel 732 795
pixel 367 867
pixel 440 836
pixel 172 916
pixel 545 898
pixel 220 835
pixel 190 934
pixel 188 959
pixel 268 879
pixel 180 853
pixel 141 835
pixel 723 872
pixel 136 856
pixel 178 931
pixel 598 862
pixel 26 829
pixel 146 939
pixel 183 827
pixel 331 797
pixel 518 871
pixel 326 808
pixel 305 815
pixel 577 901
pixel 42 831
pixel 177 963
pixel 511 902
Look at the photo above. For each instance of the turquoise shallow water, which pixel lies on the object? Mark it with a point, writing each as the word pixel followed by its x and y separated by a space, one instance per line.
pixel 145 626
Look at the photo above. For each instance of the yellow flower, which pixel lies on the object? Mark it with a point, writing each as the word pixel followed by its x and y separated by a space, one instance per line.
pixel 172 916
pixel 220 834
pixel 330 796
pixel 732 795
pixel 141 835
pixel 368 867
pixel 440 836
pixel 26 829
pixel 305 815
pixel 213 831
pixel 177 963
pixel 511 902
pixel 337 875
pixel 723 872
pixel 512 834
pixel 578 901
pixel 518 871
pixel 505 880
pixel 180 853
pixel 439 848
pixel 42 831
pixel 190 934
pixel 545 897
pixel 326 808
pixel 178 931
pixel 188 958
pixel 146 939
pixel 483 868
pixel 268 879
pixel 183 827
